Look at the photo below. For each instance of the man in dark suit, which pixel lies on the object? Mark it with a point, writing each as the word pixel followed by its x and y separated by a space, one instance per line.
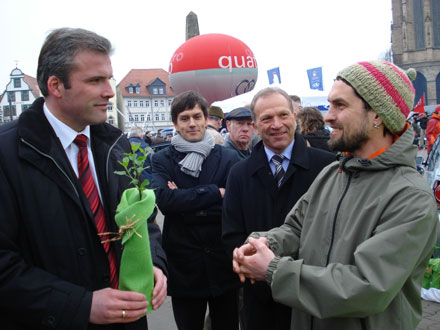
pixel 190 179
pixel 59 192
pixel 263 188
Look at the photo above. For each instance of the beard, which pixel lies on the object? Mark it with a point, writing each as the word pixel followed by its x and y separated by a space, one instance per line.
pixel 349 142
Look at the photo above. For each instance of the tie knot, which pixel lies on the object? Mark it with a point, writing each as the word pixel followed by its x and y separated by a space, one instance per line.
pixel 81 141
pixel 277 158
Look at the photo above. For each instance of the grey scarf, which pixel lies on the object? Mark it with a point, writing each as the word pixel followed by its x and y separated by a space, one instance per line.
pixel 196 152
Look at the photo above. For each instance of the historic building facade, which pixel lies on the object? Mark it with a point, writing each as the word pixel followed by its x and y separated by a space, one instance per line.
pixel 416 44
pixel 145 96
pixel 20 93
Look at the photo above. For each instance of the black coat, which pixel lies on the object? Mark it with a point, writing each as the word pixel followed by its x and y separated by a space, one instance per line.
pixel 197 262
pixel 253 202
pixel 51 259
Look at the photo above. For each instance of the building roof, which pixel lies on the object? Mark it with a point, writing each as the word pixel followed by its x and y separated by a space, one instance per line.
pixel 144 77
pixel 32 82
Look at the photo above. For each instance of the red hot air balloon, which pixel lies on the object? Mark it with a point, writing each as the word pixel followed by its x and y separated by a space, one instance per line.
pixel 217 66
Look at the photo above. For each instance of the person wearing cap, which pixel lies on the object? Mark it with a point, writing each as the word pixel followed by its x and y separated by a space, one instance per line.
pixel 433 128
pixel 353 250
pixel 255 200
pixel 241 130
pixel 215 118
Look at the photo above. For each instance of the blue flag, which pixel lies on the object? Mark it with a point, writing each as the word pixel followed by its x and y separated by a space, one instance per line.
pixel 272 73
pixel 315 78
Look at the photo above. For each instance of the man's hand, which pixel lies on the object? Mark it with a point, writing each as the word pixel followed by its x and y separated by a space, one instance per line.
pixel 222 192
pixel 252 259
pixel 115 306
pixel 160 288
pixel 172 185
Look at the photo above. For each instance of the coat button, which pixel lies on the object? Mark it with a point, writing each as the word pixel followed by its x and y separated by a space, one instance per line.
pixel 51 320
pixel 82 251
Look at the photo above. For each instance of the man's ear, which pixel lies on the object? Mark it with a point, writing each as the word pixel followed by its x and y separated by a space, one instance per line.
pixel 55 86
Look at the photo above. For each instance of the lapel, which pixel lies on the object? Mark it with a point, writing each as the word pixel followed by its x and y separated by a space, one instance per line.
pixel 258 167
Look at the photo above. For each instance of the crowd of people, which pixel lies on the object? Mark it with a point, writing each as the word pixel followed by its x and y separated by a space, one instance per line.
pixel 281 225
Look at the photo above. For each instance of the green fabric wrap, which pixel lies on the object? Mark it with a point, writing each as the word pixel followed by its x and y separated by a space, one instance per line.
pixel 136 269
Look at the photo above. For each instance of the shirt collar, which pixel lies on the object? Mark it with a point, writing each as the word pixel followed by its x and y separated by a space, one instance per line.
pixel 65 133
pixel 287 153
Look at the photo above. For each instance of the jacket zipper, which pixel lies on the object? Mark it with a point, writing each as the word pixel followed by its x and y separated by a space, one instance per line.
pixel 333 231
pixel 53 160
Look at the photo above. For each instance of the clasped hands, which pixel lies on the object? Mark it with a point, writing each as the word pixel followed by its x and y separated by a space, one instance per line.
pixel 252 259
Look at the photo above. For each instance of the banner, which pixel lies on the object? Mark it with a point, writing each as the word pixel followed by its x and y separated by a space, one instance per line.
pixel 315 78
pixel 272 73
pixel 420 106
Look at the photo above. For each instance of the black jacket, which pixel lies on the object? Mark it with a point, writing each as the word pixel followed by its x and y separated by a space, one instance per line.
pixel 253 202
pixel 197 262
pixel 51 259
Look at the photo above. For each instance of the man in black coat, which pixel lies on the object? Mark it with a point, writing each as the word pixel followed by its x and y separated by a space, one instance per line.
pixel 190 177
pixel 260 193
pixel 55 272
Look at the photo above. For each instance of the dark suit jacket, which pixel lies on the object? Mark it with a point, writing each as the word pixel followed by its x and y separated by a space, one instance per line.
pixel 51 259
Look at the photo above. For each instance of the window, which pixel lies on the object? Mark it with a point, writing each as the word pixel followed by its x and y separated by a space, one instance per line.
pixel 141 103
pixel 110 120
pixel 11 97
pixel 17 82
pixel 130 118
pixel 155 90
pixel 25 95
pixel 6 112
pixel 163 117
pixel 136 118
pixel 110 106
pixel 25 107
pixel 138 89
pixel 436 23
pixel 156 117
pixel 128 103
pixel 135 103
pixel 142 118
pixel 147 103
pixel 130 90
pixel 419 24
pixel 161 90
pixel 169 102
pixel 156 103
pixel 162 103
pixel 148 118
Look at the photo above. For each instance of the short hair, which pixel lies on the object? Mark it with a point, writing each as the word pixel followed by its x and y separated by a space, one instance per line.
pixel 135 131
pixel 186 101
pixel 295 98
pixel 59 50
pixel 310 120
pixel 266 92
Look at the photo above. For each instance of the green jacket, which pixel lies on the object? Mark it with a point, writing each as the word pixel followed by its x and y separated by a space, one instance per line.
pixel 352 252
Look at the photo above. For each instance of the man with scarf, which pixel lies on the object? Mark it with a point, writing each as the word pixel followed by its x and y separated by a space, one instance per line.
pixel 190 180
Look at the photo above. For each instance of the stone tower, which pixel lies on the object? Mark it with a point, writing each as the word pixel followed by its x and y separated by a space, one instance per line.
pixel 192 26
pixel 416 44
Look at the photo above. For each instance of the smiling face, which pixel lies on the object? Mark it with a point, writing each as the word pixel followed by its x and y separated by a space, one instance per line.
pixel 191 124
pixel 275 121
pixel 85 102
pixel 351 123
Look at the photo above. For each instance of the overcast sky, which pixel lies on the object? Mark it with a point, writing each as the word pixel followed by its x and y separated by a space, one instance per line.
pixel 295 35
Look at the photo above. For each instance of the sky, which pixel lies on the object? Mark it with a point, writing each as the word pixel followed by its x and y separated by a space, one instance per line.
pixel 294 35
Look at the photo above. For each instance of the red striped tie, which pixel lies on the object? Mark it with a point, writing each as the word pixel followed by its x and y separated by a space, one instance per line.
pixel 91 192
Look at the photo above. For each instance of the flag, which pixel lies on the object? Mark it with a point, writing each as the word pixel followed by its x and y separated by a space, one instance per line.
pixel 420 106
pixel 315 78
pixel 272 73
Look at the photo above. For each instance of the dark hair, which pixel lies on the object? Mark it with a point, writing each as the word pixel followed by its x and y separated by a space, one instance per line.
pixel 269 91
pixel 295 98
pixel 310 120
pixel 59 50
pixel 186 101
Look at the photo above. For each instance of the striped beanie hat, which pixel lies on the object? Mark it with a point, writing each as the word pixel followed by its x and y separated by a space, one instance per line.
pixel 386 88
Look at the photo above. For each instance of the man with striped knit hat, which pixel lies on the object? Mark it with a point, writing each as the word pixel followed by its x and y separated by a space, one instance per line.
pixel 353 250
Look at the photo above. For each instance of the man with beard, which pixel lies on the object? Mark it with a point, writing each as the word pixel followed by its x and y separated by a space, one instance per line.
pixel 353 250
